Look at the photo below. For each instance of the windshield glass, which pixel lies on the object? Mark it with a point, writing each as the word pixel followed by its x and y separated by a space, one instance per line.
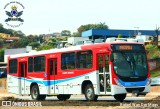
pixel 130 64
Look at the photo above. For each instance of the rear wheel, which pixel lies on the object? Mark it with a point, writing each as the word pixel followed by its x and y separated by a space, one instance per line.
pixel 63 97
pixel 120 97
pixel 89 93
pixel 35 93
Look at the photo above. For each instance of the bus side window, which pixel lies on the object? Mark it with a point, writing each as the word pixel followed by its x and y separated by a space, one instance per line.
pixel 13 65
pixel 84 59
pixel 107 63
pixel 30 64
pixel 68 61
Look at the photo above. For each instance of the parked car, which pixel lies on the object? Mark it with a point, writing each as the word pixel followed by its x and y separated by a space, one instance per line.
pixel 3 72
pixel 155 81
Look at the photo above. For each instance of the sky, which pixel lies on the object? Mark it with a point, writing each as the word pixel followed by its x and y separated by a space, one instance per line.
pixel 48 16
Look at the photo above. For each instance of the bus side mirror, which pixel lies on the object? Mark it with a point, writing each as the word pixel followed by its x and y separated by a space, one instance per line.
pixel 111 57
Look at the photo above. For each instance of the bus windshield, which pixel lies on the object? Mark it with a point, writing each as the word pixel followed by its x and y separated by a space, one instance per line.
pixel 130 64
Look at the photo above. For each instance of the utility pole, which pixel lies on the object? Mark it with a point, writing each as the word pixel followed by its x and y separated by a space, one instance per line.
pixel 156 38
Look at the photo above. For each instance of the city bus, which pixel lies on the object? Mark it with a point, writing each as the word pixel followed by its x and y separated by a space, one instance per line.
pixel 102 69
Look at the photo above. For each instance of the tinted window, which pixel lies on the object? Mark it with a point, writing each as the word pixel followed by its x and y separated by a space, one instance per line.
pixel 68 61
pixel 39 63
pixel 13 66
pixel 84 59
pixel 30 64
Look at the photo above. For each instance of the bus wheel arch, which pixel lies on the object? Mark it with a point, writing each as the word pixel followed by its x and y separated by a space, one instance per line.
pixel 35 92
pixel 88 90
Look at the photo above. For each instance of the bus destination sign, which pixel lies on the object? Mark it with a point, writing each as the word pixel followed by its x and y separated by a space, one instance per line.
pixel 127 47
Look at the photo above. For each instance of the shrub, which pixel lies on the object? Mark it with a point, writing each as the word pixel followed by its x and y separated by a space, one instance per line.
pixel 153 51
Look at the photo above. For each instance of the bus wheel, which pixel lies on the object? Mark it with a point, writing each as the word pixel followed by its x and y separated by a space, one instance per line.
pixel 63 97
pixel 35 93
pixel 120 97
pixel 89 93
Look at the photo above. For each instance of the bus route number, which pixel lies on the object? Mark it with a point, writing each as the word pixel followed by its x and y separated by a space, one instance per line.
pixel 86 77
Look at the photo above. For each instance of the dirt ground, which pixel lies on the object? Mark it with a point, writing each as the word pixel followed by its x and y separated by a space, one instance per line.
pixel 152 101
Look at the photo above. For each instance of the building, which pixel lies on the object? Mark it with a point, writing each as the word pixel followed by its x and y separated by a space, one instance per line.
pixel 99 33
pixel 8 37
pixel 9 52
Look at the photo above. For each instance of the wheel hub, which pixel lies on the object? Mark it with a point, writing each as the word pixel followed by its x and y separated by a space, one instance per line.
pixel 89 93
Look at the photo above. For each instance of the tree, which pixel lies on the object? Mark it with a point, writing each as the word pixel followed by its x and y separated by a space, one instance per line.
pixel 65 33
pixel 2 54
pixel 34 44
pixel 20 34
pixel 76 34
pixel 1 28
pixel 23 42
pixel 120 36
pixel 92 26
pixel 44 47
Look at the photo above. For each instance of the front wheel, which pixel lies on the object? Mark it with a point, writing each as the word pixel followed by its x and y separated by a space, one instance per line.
pixel 89 93
pixel 120 97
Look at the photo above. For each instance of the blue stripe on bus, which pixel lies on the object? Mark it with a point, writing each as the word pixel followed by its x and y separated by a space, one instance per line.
pixel 49 82
pixel 131 84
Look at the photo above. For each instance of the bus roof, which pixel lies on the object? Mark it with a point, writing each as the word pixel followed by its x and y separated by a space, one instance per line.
pixel 71 48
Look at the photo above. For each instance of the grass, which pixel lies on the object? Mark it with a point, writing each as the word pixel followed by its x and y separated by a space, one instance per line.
pixel 155 73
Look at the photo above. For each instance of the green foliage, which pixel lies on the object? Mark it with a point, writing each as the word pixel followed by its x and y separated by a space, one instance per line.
pixel 11 31
pixel 1 43
pixel 150 47
pixel 76 34
pixel 23 42
pixel 34 45
pixel 65 33
pixel 153 51
pixel 155 73
pixel 91 26
pixel 45 47
pixel 120 36
pixel 2 54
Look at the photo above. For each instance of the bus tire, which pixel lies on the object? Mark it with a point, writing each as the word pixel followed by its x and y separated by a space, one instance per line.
pixel 89 93
pixel 120 97
pixel 35 93
pixel 63 97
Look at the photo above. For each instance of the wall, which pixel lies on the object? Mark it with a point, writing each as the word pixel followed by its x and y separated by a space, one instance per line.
pixel 154 63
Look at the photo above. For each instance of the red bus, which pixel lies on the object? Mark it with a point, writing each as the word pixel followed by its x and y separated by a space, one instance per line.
pixel 113 68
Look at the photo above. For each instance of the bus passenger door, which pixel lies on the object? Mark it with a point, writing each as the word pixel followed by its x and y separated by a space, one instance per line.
pixel 52 70
pixel 22 73
pixel 104 74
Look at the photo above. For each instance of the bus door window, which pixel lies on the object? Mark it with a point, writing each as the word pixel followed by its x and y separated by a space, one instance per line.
pixel 101 76
pixel 104 76
pixel 108 88
pixel 22 69
pixel 53 67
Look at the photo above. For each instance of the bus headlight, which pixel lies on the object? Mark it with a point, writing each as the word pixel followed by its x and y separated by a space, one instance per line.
pixel 148 82
pixel 117 82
